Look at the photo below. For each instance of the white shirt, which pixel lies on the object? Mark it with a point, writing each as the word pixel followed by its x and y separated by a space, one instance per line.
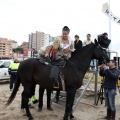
pixel 86 42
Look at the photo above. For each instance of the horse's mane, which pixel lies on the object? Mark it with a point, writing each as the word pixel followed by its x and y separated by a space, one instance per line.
pixel 83 50
pixel 86 47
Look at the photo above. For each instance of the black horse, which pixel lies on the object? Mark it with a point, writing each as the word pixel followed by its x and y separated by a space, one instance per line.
pixel 31 71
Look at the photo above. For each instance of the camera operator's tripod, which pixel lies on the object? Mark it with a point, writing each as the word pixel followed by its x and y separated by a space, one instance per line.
pixel 100 94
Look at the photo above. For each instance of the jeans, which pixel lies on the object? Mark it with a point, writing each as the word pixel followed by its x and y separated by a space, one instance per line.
pixel 110 99
pixel 93 63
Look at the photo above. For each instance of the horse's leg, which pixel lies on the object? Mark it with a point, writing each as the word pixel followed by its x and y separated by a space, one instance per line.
pixel 41 92
pixel 69 103
pixel 25 99
pixel 71 116
pixel 32 93
pixel 49 100
pixel 57 96
pixel 22 102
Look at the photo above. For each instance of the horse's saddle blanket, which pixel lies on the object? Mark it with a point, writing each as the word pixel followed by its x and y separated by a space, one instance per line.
pixel 55 66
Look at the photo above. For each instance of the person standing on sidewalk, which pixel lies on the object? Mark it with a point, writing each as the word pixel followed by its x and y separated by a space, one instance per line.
pixel 109 84
pixel 12 72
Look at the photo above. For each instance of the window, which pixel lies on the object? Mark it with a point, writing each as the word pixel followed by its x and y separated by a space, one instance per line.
pixel 1 62
pixel 6 64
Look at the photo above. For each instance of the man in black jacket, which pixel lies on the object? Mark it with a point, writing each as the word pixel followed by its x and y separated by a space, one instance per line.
pixel 77 45
pixel 109 84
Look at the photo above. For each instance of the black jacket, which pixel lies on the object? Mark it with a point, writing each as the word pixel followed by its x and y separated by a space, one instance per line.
pixel 77 46
pixel 111 78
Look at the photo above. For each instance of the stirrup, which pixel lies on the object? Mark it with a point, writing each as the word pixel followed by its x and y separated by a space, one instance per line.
pixel 56 85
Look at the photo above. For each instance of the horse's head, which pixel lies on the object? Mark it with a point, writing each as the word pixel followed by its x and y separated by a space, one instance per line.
pixel 100 53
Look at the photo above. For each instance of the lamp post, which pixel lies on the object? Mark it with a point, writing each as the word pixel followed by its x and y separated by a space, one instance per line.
pixel 109 26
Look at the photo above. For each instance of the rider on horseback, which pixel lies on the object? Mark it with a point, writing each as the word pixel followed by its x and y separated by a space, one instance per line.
pixel 62 46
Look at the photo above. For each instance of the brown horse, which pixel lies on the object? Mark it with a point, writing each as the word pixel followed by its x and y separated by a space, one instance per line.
pixel 32 71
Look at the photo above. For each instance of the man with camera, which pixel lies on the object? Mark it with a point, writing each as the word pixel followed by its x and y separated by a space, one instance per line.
pixel 103 40
pixel 109 84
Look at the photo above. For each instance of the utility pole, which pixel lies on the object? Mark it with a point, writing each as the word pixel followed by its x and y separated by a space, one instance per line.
pixel 109 25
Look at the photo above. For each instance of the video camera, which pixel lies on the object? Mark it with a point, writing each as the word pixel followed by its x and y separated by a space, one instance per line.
pixel 103 40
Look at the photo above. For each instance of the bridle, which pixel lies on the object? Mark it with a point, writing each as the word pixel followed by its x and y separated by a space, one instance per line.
pixel 99 47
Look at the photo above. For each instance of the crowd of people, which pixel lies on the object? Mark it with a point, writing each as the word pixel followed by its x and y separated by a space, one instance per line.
pixel 65 46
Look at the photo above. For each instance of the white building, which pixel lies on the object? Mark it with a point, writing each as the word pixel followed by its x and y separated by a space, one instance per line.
pixel 39 39
pixel 14 44
pixel 47 39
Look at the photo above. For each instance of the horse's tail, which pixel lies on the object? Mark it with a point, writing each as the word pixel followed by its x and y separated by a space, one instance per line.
pixel 14 92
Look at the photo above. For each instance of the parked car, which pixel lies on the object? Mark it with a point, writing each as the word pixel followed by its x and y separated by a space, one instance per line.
pixel 4 65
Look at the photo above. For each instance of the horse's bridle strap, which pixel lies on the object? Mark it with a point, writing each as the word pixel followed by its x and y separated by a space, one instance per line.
pixel 75 65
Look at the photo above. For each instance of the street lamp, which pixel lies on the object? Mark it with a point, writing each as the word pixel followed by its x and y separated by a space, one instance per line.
pixel 109 25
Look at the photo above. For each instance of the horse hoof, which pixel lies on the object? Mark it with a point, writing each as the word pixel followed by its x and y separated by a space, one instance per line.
pixel 50 108
pixel 39 109
pixel 65 118
pixel 56 101
pixel 30 118
pixel 72 117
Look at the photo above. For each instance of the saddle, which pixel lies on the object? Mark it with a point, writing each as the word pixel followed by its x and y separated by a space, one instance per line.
pixel 56 67
pixel 60 63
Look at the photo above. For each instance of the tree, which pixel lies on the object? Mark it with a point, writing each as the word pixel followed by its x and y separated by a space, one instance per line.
pixel 18 50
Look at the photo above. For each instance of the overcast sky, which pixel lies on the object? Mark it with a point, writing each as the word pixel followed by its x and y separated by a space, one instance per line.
pixel 18 18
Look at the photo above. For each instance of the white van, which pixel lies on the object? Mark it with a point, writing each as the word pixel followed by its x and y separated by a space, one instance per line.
pixel 4 65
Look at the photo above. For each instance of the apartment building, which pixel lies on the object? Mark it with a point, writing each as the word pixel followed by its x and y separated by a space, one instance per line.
pixel 39 39
pixel 14 44
pixel 24 45
pixel 5 48
pixel 47 39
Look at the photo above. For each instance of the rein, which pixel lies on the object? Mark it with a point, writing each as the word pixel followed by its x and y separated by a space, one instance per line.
pixel 75 65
